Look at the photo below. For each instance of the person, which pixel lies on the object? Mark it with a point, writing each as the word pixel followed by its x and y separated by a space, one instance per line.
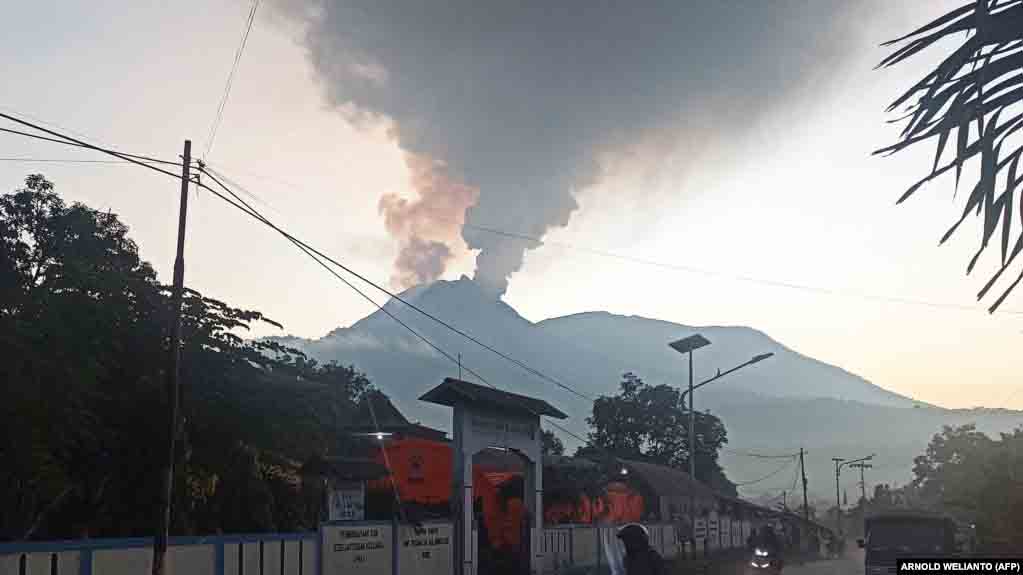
pixel 640 557
pixel 769 540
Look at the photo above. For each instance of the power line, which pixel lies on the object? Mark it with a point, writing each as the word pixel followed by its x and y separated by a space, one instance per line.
pixel 127 158
pixel 67 141
pixel 310 251
pixel 230 78
pixel 764 478
pixel 795 480
pixel 306 247
pixel 735 277
pixel 243 206
pixel 62 161
pixel 759 455
pixel 427 314
pixel 706 272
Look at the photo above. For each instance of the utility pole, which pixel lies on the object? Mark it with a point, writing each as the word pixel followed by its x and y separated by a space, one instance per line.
pixel 838 496
pixel 173 386
pixel 802 470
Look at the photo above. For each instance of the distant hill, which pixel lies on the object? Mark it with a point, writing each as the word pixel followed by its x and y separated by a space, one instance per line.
pixel 779 405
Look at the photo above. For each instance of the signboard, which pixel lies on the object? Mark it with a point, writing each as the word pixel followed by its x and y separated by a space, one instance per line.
pixel 426 549
pixel 701 528
pixel 347 502
pixel 500 427
pixel 356 549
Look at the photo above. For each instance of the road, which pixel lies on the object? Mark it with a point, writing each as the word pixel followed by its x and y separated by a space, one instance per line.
pixel 852 564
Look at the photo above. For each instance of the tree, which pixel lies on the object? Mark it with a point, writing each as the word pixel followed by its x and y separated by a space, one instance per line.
pixel 552 445
pixel 651 423
pixel 977 479
pixel 84 331
pixel 978 83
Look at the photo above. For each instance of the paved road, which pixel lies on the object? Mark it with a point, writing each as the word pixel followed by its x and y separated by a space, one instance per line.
pixel 850 565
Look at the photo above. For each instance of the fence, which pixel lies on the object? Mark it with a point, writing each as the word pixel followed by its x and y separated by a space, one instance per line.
pixel 357 548
pixel 260 554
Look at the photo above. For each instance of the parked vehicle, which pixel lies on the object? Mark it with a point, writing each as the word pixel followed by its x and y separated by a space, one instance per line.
pixel 894 534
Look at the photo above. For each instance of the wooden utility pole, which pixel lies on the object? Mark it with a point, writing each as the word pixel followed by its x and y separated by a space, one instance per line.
pixel 173 386
pixel 802 470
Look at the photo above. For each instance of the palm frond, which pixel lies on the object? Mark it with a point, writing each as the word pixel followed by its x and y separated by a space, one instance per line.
pixel 980 83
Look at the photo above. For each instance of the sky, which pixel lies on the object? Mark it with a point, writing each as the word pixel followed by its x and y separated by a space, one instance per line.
pixel 323 122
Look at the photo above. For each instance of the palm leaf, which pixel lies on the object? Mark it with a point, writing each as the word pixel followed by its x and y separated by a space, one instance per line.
pixel 979 81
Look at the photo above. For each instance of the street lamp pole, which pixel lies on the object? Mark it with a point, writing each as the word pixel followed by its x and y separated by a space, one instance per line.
pixel 686 346
pixel 692 445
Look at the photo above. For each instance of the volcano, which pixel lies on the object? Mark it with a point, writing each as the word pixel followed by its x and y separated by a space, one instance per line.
pixel 779 406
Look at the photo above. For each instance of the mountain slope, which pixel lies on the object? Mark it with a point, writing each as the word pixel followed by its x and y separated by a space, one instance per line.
pixel 787 374
pixel 779 405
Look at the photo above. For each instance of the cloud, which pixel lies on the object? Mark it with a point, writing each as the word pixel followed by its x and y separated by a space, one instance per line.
pixel 527 102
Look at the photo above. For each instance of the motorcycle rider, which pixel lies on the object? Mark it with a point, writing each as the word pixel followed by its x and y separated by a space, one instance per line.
pixel 640 557
pixel 768 541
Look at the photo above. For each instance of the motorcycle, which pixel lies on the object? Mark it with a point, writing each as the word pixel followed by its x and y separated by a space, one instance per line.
pixel 765 561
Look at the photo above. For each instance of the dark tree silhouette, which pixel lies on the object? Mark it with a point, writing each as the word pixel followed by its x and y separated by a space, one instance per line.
pixel 651 423
pixel 83 333
pixel 976 478
pixel 552 445
pixel 977 93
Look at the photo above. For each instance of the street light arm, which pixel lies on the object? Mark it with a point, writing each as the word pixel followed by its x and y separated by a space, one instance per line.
pixel 721 374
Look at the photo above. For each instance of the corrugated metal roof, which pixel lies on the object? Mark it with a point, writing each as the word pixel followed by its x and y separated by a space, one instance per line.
pixel 666 481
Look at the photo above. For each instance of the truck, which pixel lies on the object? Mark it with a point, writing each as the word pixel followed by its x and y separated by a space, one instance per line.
pixel 893 534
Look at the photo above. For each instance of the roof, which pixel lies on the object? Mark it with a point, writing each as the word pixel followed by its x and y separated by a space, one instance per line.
pixel 456 391
pixel 410 430
pixel 667 481
pixel 376 409
pixel 376 414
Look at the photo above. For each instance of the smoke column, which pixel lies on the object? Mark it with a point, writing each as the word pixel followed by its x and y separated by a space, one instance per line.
pixel 518 97
pixel 428 226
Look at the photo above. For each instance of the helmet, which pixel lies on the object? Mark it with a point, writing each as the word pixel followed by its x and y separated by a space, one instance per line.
pixel 634 536
pixel 633 527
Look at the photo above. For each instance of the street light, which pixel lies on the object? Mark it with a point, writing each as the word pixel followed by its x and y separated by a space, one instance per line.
pixel 839 464
pixel 687 345
pixel 756 359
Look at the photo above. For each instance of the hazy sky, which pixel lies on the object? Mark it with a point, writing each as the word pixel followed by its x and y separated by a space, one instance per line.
pixel 787 193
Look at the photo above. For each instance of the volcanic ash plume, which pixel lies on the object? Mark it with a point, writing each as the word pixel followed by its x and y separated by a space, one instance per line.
pixel 517 96
pixel 427 227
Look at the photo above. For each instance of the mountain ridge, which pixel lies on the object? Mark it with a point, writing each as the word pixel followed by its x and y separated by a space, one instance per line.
pixel 782 404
